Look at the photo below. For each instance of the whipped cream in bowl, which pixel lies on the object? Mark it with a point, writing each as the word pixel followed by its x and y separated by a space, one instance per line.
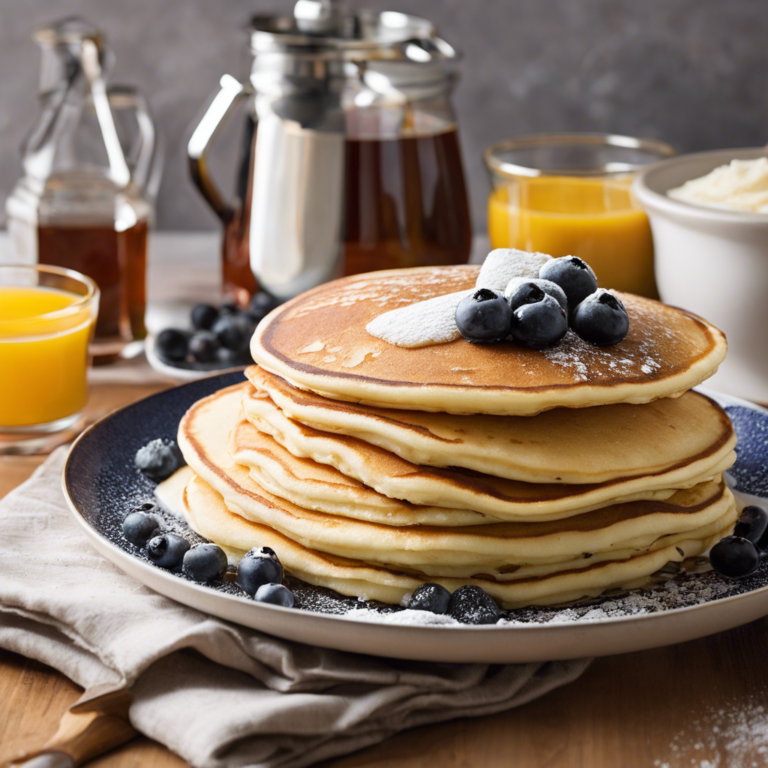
pixel 740 185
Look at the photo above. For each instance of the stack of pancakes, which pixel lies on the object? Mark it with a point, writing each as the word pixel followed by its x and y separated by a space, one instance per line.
pixel 540 476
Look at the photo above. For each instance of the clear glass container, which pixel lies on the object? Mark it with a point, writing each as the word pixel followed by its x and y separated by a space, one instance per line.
pixel 83 202
pixel 47 318
pixel 350 159
pixel 570 194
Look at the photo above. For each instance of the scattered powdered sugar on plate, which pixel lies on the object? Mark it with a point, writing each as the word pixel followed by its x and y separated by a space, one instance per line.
pixel 733 735
pixel 419 325
pixel 404 617
pixel 504 264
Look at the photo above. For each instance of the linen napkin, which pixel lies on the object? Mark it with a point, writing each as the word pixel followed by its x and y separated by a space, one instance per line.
pixel 215 693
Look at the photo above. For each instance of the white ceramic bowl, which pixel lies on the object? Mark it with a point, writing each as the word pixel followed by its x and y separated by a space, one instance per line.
pixel 713 262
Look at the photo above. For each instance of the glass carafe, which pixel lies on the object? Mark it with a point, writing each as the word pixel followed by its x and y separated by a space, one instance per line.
pixel 83 202
pixel 351 158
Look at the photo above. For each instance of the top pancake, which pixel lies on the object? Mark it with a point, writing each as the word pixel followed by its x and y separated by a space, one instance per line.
pixel 318 341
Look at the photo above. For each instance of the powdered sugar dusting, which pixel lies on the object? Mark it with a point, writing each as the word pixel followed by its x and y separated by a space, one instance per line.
pixel 586 362
pixel 732 734
pixel 419 325
pixel 504 264
pixel 405 617
pixel 402 289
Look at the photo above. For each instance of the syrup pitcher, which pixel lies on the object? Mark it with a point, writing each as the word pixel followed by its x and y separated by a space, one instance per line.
pixel 84 201
pixel 351 157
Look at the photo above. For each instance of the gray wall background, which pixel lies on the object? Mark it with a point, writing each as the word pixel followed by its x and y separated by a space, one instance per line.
pixel 691 72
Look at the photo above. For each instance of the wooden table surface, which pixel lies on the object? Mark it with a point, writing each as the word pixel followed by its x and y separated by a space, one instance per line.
pixel 641 709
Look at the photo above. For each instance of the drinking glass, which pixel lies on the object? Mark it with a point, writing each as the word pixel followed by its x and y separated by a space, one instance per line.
pixel 569 194
pixel 47 318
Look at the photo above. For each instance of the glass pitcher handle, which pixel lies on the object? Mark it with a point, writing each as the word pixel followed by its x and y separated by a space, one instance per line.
pixel 231 93
pixel 144 155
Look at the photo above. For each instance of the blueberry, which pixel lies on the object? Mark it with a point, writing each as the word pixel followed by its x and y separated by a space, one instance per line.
pixel 573 275
pixel 520 291
pixel 229 306
pixel 276 594
pixel 472 605
pixel 430 597
pixel 167 550
pixel 139 526
pixel 233 331
pixel 258 567
pixel 734 557
pixel 205 562
pixel 203 347
pixel 541 324
pixel 484 316
pixel 171 344
pixel 232 357
pixel 203 317
pixel 159 459
pixel 260 305
pixel 601 319
pixel 752 524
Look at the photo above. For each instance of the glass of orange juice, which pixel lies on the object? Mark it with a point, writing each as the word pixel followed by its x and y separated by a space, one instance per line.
pixel 47 317
pixel 569 194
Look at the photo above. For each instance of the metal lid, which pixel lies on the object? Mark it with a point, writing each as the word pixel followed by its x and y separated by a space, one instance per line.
pixel 327 29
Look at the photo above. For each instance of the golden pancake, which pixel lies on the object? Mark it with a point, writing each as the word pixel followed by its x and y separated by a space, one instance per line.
pixel 209 516
pixel 591 445
pixel 461 489
pixel 318 341
pixel 500 549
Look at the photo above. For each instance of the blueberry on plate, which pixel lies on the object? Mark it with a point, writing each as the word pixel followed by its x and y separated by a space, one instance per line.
pixel 258 567
pixel 159 459
pixel 276 594
pixel 573 275
pixel 734 557
pixel 430 597
pixel 203 346
pixel 752 524
pixel 167 550
pixel 472 605
pixel 260 305
pixel 205 562
pixel 172 344
pixel 520 291
pixel 140 526
pixel 484 316
pixel 540 324
pixel 233 331
pixel 601 319
pixel 203 317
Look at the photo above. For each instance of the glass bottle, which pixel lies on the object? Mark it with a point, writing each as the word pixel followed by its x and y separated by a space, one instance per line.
pixel 84 200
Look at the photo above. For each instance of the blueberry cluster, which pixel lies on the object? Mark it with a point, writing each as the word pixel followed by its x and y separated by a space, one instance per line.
pixel 219 337
pixel 468 604
pixel 259 573
pixel 537 312
pixel 739 555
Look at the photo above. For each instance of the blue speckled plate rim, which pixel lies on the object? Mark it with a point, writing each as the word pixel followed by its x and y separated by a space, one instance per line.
pixel 213 383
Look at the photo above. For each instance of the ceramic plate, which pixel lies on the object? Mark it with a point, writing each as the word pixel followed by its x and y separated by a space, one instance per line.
pixel 101 484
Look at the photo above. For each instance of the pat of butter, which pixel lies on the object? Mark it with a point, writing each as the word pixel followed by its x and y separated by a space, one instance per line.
pixel 428 322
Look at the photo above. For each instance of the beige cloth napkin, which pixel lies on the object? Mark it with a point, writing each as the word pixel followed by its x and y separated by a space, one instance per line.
pixel 215 693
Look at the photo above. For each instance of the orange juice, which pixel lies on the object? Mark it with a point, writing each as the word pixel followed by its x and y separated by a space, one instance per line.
pixel 595 219
pixel 43 355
